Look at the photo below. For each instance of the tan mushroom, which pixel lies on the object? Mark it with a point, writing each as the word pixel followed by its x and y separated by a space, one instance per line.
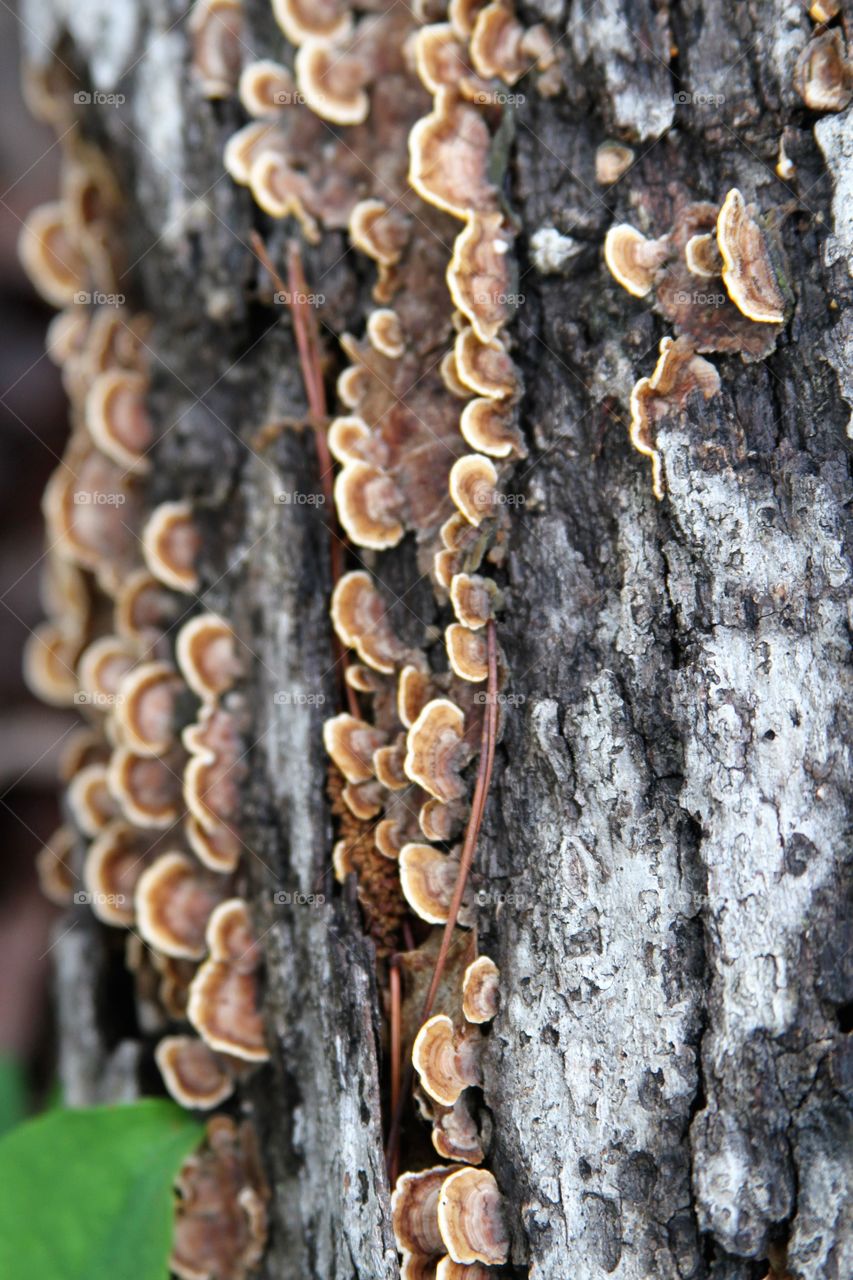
pixel 823 76
pixel 206 651
pixel 449 157
pixel 223 1008
pixel 117 419
pixel 146 789
pixel 473 487
pixel 428 878
pixel 170 545
pixel 467 652
pixel 332 81
pixel 266 89
pixel 481 990
pixel 748 271
pixel 302 20
pixel 485 367
pixel 678 372
pixel 471 1218
pixel 175 897
pixel 50 258
pixel 487 426
pixel 195 1076
pixel 351 744
pixel 360 617
pixel 632 259
pixel 436 750
pixel 146 708
pixel 448 1060
pixel 479 276
pixel 612 160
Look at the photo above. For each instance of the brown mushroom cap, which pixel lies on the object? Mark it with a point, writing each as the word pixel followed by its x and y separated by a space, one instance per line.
pixel 414 690
pixel 473 487
pixel 195 1076
pixel 748 272
pixel 147 789
pixel 471 1218
pixel 351 744
pixel 266 89
pixel 102 667
pixel 146 707
pixel 50 257
pixel 449 157
pixel 467 652
pixel 481 990
pixel 360 618
pixel 350 438
pixel 117 418
pixel 89 799
pixel 115 860
pixel 414 1211
pixel 369 504
pixel 428 878
pixel 612 159
pixel 455 1135
pixel 385 333
pixel 49 660
pixel 175 897
pixel 479 276
pixel 332 82
pixel 206 651
pixel 436 749
pixel 439 821
pixel 301 20
pixel 216 28
pixel 474 599
pixel 823 76
pixel 53 865
pixel 485 367
pixel 447 1269
pixel 702 256
pixel 245 146
pixel 487 426
pixel 223 1008
pixel 281 191
pixel 217 848
pixel 170 545
pixel 632 259
pixel 448 1060
pixel 678 372
pixel 144 608
pixel 231 936
pixel 496 49
pixel 388 763
pixel 379 230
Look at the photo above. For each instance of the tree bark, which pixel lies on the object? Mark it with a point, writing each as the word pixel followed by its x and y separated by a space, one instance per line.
pixel 662 869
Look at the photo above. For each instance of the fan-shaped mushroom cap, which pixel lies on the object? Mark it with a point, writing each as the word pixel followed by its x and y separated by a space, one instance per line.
pixel 439 821
pixel 467 652
pixel 487 426
pixel 49 660
pixel 102 667
pixel 50 257
pixel 449 158
pixel 484 367
pixel 175 897
pixel 450 377
pixel 481 990
pixel 144 608
pixel 206 651
pixel 414 690
pixel 195 1076
pixel 170 545
pixel 281 191
pixel 479 275
pixel 471 1218
pixel 115 860
pixel 447 1060
pixel 385 333
pixel 305 19
pixel 463 14
pixel 632 259
pixel 266 88
pixel 351 744
pixel 495 45
pixel 679 371
pixel 53 865
pixel 436 749
pixel 117 419
pixel 147 789
pixel 379 230
pixel 612 159
pixel 218 849
pixel 223 1008
pixel 455 1135
pixel 414 1211
pixel 748 272
pixel 360 618
pixel 215 28
pixel 823 76
pixel 146 708
pixel 388 764
pixel 245 146
pixel 369 504
pixel 474 599
pixel 231 936
pixel 703 257
pixel 364 799
pixel 332 82
pixel 473 487
pixel 428 878
pixel 349 439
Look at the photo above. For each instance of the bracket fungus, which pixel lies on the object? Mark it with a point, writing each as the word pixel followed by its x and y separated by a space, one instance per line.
pixel 487 426
pixel 147 706
pixel 823 76
pixel 216 31
pixel 206 652
pixel 49 255
pixel 170 545
pixel 332 81
pixel 449 156
pixel 471 1218
pixel 474 598
pixel 467 653
pixel 479 275
pixel 351 743
pixel 195 1076
pixel 266 89
pixel 223 1008
pixel 146 789
pixel 436 750
pixel 632 259
pixel 748 271
pixel 678 372
pixel 175 898
pixel 117 419
pixel 702 256
pixel 612 160
pixel 414 1211
pixel 473 487
pixel 448 1060
pixel 115 860
pixel 302 20
pixel 485 367
pixel 89 800
pixel 360 618
pixel 481 990
pixel 428 878
pixel 369 505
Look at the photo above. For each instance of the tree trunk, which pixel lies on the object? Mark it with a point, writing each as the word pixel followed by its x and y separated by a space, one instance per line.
pixel 661 872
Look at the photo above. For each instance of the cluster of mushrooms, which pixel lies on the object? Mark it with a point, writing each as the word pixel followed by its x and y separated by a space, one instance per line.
pixel 151 840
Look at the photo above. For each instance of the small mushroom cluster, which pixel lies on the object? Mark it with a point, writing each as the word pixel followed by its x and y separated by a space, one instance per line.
pixel 718 276
pixel 823 76
pixel 153 776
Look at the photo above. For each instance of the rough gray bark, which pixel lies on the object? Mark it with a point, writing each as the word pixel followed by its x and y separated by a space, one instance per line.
pixel 662 870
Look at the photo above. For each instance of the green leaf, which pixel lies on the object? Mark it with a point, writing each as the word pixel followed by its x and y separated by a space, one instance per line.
pixel 87 1195
pixel 13 1093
